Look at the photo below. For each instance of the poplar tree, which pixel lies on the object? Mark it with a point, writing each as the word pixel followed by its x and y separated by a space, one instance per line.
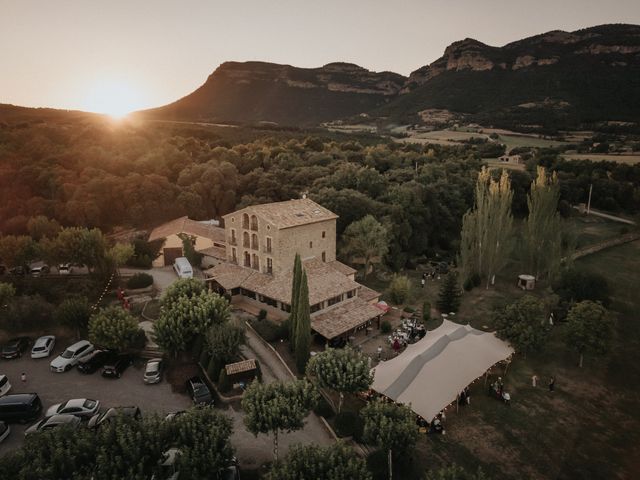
pixel 449 297
pixel 543 228
pixel 303 327
pixel 295 292
pixel 487 230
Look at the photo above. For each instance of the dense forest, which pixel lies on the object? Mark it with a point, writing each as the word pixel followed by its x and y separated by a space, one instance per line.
pixel 88 171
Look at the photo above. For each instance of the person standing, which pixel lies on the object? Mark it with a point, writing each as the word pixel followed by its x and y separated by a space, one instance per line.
pixel 379 352
pixel 552 383
pixel 534 380
pixel 422 282
pixel 23 377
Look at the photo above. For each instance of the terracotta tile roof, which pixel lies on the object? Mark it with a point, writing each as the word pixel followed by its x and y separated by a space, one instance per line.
pixel 342 268
pixel 240 367
pixel 191 227
pixel 228 275
pixel 291 213
pixel 215 252
pixel 344 318
pixel 367 294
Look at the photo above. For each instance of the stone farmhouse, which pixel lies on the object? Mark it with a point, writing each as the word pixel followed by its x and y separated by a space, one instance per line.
pixel 261 244
pixel 207 239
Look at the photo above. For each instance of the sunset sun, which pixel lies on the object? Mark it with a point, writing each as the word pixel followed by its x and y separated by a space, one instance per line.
pixel 116 98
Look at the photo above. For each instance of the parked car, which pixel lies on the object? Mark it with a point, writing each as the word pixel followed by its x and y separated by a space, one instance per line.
pixel 39 268
pixel 71 356
pixel 15 347
pixel 153 371
pixel 115 368
pixel 198 391
pixel 43 346
pixel 21 407
pixel 5 386
pixel 65 269
pixel 105 417
pixel 4 431
pixel 95 360
pixel 52 422
pixel 19 270
pixel 80 407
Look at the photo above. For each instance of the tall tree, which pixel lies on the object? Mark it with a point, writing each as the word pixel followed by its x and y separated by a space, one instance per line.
pixel 119 254
pixel 523 323
pixel 276 407
pixel 303 328
pixel 391 427
pixel 589 329
pixel 295 293
pixel 223 341
pixel 487 230
pixel 366 239
pixel 335 462
pixel 42 227
pixel 17 251
pixel 343 370
pixel 450 293
pixel 542 234
pixel 73 312
pixel 113 328
pixel 184 287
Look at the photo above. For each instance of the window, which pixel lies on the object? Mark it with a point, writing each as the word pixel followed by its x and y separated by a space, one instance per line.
pixel 245 239
pixel 247 259
pixel 248 293
pixel 254 241
pixel 233 236
pixel 255 263
pixel 324 256
pixel 269 265
pixel 234 258
pixel 268 247
pixel 324 234
pixel 245 221
pixel 254 223
pixel 310 244
pixel 233 219
pixel 285 307
pixel 334 300
pixel 351 293
pixel 315 308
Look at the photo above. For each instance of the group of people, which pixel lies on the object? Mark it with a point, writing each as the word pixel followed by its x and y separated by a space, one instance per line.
pixel 434 426
pixel 496 389
pixel 464 398
pixel 426 275
pixel 123 300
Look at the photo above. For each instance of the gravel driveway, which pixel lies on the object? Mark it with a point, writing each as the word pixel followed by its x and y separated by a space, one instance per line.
pixel 58 387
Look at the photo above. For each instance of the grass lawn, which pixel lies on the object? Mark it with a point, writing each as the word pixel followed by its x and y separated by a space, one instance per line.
pixel 589 427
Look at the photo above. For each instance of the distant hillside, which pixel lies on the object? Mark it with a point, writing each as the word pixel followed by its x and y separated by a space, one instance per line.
pixel 255 92
pixel 554 79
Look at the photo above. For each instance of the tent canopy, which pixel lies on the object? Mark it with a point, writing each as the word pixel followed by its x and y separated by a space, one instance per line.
pixel 430 373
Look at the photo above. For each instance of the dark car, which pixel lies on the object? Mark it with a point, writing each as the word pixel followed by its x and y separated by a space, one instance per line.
pixel 21 407
pixel 198 391
pixel 95 360
pixel 19 270
pixel 15 347
pixel 115 368
pixel 106 417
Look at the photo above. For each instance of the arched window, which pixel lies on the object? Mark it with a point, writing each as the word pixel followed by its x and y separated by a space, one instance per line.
pixel 247 259
pixel 245 221
pixel 254 223
pixel 256 262
pixel 245 239
pixel 254 241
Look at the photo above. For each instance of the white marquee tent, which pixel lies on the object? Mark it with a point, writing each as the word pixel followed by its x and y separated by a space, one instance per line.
pixel 430 373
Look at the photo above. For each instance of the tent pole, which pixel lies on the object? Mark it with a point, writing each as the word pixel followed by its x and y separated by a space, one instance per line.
pixel 486 375
pixel 506 368
pixel 457 402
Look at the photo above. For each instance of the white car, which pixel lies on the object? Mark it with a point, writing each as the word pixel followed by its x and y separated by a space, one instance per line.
pixel 52 422
pixel 80 407
pixel 5 386
pixel 4 431
pixel 65 269
pixel 39 268
pixel 71 356
pixel 43 346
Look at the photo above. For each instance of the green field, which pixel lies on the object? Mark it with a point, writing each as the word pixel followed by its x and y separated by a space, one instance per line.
pixel 629 159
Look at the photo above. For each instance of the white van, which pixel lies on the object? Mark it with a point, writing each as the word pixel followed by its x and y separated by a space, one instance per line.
pixel 183 268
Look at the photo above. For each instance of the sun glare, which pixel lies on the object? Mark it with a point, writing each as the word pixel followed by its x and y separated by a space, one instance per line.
pixel 112 97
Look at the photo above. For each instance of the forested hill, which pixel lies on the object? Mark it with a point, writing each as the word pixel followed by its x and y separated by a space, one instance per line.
pixel 555 80
pixel 254 92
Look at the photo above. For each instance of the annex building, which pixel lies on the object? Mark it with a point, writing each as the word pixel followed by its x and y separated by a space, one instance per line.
pixel 261 244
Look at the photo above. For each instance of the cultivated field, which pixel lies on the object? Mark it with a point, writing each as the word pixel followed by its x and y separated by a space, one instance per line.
pixel 595 157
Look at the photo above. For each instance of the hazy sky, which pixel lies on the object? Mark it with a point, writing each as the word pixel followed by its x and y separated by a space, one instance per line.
pixel 92 55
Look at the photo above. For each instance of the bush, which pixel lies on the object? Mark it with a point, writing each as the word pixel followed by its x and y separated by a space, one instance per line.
pixel 323 408
pixel 271 331
pixel 426 311
pixel 385 326
pixel 576 285
pixel 345 424
pixel 399 289
pixel 223 381
pixel 140 280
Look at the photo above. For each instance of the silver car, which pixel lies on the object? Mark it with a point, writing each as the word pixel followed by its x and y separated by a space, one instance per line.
pixel 43 346
pixel 52 422
pixel 79 407
pixel 153 371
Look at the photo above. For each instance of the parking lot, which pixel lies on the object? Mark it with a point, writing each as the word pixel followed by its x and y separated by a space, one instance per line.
pixel 59 387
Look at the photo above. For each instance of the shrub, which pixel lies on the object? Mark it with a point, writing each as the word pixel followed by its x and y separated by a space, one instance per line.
pixel 271 331
pixel 323 408
pixel 576 285
pixel 345 423
pixel 399 289
pixel 140 280
pixel 385 326
pixel 426 311
pixel 223 381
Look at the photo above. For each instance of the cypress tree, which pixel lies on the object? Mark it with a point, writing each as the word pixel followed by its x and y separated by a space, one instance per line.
pixel 449 299
pixel 295 293
pixel 303 328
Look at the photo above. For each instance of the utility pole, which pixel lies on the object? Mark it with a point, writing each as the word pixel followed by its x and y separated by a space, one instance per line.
pixel 589 201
